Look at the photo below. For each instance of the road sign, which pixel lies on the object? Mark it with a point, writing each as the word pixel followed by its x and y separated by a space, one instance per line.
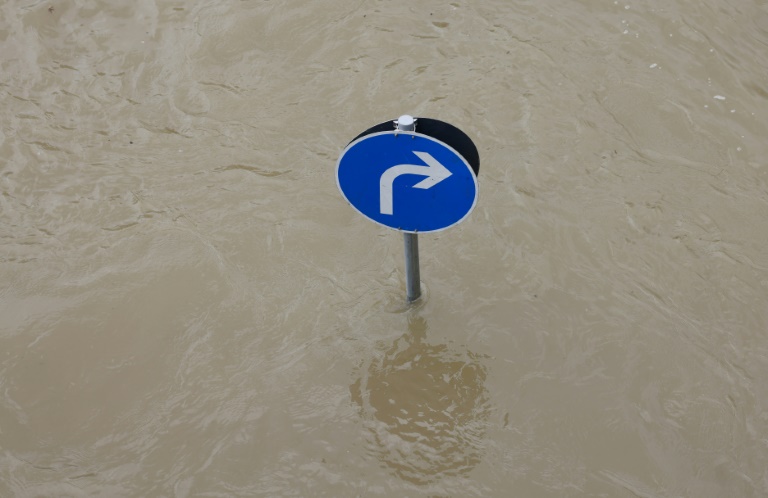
pixel 409 181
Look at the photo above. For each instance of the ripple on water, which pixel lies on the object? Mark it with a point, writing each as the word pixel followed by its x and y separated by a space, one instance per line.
pixel 425 408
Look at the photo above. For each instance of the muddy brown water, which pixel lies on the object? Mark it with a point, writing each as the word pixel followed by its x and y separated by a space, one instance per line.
pixel 189 308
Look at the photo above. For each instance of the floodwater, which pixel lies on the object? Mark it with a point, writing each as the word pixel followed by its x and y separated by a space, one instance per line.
pixel 189 308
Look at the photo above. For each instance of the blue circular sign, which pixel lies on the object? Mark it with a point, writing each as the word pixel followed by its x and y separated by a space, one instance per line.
pixel 407 181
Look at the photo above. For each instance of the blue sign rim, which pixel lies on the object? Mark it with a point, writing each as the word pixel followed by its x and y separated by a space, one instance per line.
pixel 421 135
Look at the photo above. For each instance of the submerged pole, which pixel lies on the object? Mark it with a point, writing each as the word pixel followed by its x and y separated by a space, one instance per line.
pixel 412 277
pixel 412 284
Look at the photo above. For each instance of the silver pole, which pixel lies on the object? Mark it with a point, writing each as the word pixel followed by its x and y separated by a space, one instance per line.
pixel 412 284
pixel 412 277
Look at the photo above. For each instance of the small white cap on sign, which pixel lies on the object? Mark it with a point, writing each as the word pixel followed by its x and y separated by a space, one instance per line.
pixel 405 122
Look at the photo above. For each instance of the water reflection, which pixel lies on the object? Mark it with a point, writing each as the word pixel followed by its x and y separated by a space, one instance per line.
pixel 425 407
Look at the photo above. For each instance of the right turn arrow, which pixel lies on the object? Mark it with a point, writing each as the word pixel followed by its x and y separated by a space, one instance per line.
pixel 434 172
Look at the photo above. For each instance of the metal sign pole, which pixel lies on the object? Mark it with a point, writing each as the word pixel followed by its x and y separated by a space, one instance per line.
pixel 412 277
pixel 412 284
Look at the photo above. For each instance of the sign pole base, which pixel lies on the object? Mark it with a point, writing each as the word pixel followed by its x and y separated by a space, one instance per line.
pixel 412 277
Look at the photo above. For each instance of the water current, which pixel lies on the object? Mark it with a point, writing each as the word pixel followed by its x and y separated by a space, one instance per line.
pixel 189 308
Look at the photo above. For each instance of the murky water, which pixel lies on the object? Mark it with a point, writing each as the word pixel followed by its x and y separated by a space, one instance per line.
pixel 189 308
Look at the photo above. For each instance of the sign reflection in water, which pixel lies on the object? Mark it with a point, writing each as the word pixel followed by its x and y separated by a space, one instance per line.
pixel 425 407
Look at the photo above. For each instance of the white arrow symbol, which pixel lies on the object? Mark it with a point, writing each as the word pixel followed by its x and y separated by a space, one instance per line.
pixel 434 172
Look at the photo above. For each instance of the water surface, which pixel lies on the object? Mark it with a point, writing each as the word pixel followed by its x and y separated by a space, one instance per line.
pixel 189 308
